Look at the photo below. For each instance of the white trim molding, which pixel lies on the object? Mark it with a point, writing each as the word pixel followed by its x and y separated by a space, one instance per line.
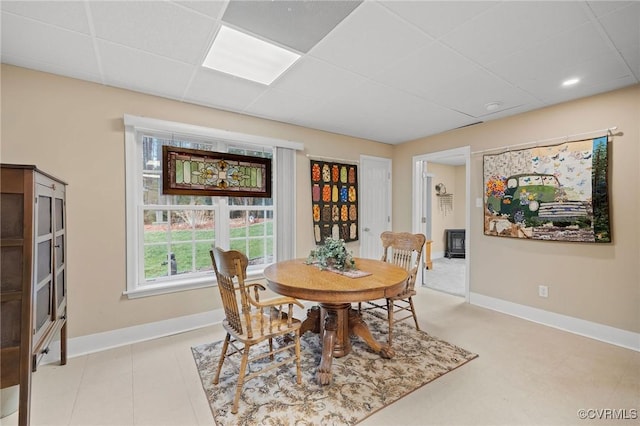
pixel 98 342
pixel 92 343
pixel 604 333
pixel 84 345
pixel 154 124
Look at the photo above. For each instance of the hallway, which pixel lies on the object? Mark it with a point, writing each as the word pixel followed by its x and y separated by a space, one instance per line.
pixel 447 275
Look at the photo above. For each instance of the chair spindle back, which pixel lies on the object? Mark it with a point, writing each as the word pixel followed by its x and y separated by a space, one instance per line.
pixel 405 250
pixel 227 266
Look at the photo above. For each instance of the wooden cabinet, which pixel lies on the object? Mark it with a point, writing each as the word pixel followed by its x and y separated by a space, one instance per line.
pixel 33 275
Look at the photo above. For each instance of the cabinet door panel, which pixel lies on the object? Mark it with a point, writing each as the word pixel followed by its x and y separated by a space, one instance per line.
pixel 59 214
pixel 44 260
pixel 61 289
pixel 43 305
pixel 59 251
pixel 44 215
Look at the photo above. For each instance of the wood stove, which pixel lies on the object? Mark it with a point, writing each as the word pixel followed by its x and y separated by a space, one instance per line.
pixel 455 240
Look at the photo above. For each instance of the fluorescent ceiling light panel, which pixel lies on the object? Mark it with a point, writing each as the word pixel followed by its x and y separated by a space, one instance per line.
pixel 234 52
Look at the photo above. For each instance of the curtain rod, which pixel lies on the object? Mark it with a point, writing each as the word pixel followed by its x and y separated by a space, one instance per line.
pixel 340 160
pixel 609 131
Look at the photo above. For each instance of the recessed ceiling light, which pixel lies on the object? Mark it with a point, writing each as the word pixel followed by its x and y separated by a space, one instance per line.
pixel 493 106
pixel 570 82
pixel 234 52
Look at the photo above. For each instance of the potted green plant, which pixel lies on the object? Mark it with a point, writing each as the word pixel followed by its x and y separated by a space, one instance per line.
pixel 333 254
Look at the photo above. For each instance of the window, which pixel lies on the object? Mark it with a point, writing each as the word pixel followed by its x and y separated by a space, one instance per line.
pixel 169 236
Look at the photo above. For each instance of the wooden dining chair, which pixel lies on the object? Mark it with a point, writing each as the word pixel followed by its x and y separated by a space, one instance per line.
pixel 403 249
pixel 249 321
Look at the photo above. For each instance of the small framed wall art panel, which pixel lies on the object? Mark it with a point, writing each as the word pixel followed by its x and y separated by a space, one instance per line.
pixel 334 199
pixel 197 172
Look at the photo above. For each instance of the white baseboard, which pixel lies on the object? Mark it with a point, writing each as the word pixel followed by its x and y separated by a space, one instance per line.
pixel 91 343
pixel 604 333
pixel 97 342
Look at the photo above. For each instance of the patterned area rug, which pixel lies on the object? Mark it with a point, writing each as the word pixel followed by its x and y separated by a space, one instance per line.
pixel 362 381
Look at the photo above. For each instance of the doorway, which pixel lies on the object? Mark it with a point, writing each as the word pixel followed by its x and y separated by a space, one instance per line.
pixel 434 203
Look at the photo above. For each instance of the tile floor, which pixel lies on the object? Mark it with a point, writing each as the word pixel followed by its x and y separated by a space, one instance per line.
pixel 527 374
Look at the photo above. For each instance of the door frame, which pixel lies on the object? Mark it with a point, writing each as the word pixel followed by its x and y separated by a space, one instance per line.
pixel 420 199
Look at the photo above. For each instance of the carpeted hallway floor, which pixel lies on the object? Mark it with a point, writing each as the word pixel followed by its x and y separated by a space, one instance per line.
pixel 447 275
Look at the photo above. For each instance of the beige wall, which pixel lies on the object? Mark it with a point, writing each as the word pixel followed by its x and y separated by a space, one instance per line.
pixel 460 197
pixel 453 178
pixel 593 282
pixel 74 130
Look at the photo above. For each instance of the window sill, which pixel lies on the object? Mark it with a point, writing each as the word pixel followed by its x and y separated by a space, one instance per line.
pixel 168 287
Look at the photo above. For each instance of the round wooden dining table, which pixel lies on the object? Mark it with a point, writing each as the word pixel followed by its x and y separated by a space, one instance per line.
pixel 335 292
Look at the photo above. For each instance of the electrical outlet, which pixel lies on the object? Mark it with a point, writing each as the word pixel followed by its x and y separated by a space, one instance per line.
pixel 543 291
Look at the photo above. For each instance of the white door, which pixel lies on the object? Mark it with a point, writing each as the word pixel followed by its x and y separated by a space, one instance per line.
pixel 375 204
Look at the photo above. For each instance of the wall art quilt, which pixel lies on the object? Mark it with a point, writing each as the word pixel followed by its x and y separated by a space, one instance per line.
pixel 557 193
pixel 334 201
pixel 197 172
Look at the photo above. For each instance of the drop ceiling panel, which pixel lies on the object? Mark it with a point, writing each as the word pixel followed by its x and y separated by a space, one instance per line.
pixel 551 97
pixel 600 8
pixel 299 25
pixel 530 67
pixel 290 107
pixel 314 78
pixel 29 63
pixel 507 112
pixel 397 113
pixel 369 40
pixel 174 32
pixel 632 59
pixel 475 90
pixel 69 15
pixel 621 26
pixel 52 47
pixel 223 91
pixel 605 70
pixel 438 18
pixel 213 9
pixel 130 68
pixel 510 26
pixel 426 70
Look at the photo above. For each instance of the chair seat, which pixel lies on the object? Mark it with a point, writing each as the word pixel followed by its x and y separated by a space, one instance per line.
pixel 405 293
pixel 269 327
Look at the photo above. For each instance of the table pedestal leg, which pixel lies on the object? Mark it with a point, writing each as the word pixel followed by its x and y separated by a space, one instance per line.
pixel 358 327
pixel 323 375
pixel 337 322
pixel 311 322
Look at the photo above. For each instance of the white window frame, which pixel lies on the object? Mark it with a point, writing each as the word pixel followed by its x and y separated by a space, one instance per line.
pixel 283 190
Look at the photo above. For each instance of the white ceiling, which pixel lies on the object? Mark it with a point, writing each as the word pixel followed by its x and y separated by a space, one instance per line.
pixel 391 71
